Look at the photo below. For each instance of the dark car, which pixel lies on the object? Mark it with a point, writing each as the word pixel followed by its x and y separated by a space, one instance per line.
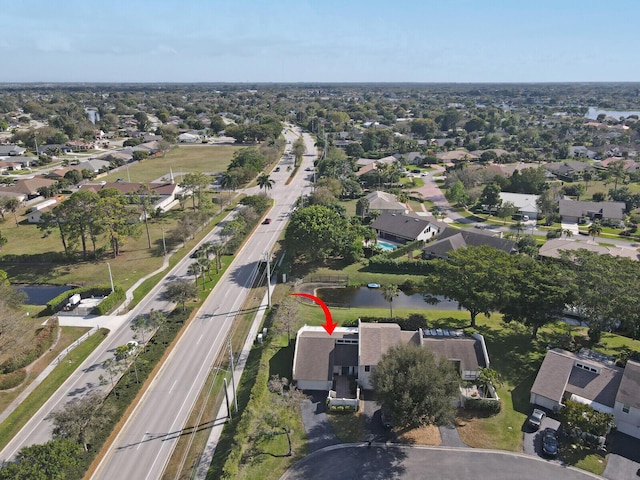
pixel 535 419
pixel 385 419
pixel 195 254
pixel 267 221
pixel 549 442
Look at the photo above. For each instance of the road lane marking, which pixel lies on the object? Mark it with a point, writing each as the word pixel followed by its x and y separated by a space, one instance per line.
pixel 174 384
pixel 200 339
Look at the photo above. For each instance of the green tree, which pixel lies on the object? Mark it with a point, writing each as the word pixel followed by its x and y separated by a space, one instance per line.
pixel 580 417
pixel 264 181
pixel 537 293
pixel 180 292
pixel 389 292
pixel 143 121
pixel 362 206
pixel 145 198
pixel 506 210
pixel 298 149
pixel 595 229
pixel 457 193
pixel 139 155
pixel 230 181
pixel 113 216
pixel 11 204
pixel 3 240
pixel 81 419
pixel 490 198
pixel 57 459
pixel 417 387
pixel 195 183
pixel 319 232
pixel 475 277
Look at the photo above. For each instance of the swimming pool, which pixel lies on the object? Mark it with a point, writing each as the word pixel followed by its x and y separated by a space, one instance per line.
pixel 387 246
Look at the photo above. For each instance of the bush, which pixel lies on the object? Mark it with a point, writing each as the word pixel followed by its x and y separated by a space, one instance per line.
pixel 382 264
pixel 483 405
pixel 42 340
pixel 13 379
pixel 113 299
pixel 55 304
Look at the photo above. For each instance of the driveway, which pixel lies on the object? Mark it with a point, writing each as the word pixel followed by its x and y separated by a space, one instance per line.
pixel 383 462
pixel 371 410
pixel 623 462
pixel 314 418
pixel 532 441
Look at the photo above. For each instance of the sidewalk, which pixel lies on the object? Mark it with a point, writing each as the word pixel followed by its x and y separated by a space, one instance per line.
pixel 221 417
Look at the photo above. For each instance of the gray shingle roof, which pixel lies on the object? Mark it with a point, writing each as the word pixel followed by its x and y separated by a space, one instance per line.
pixel 629 391
pixel 405 226
pixel 574 208
pixel 467 350
pixel 553 375
pixel 317 352
pixel 452 239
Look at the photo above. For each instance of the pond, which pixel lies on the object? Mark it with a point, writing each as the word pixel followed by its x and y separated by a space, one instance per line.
pixel 372 297
pixel 41 294
pixel 593 113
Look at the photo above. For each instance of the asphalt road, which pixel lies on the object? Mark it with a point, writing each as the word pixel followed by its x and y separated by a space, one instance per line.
pixel 385 462
pixel 144 445
pixel 146 442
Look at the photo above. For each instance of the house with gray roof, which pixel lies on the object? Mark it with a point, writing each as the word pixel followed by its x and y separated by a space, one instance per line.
pixel 402 228
pixel 319 358
pixel 572 211
pixel 592 379
pixel 569 171
pixel 384 202
pixel 452 239
pixel 11 151
pixel 525 203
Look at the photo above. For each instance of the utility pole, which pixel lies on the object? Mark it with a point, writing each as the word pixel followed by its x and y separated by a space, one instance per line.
pixel 110 277
pixel 164 245
pixel 268 279
pixel 233 378
pixel 226 395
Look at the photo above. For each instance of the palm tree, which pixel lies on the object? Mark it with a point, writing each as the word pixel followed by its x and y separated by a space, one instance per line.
pixel 230 181
pixel 568 233
pixel 195 269
pixel 264 181
pixel 390 292
pixel 595 229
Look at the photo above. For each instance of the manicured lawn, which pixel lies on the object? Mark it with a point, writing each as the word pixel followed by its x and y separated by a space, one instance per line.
pixel 348 427
pixel 358 273
pixel 180 159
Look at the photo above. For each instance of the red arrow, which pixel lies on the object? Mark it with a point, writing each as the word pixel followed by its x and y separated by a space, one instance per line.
pixel 329 326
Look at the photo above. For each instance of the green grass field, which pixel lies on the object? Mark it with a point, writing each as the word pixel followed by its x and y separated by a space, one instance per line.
pixel 180 159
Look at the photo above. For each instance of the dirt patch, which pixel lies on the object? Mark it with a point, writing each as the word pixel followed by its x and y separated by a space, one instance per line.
pixel 427 435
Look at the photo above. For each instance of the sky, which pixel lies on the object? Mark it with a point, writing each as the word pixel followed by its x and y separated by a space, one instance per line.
pixel 319 41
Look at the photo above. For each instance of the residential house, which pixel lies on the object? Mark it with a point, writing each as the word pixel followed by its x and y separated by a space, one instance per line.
pixel 554 247
pixel 572 211
pixel 167 193
pixel 410 158
pixel 29 186
pixel 53 149
pixel 80 145
pixel 403 228
pixel 10 166
pixel 11 151
pixel 384 202
pixel 569 171
pixel 582 151
pixel 59 173
pixel 524 202
pixel 188 138
pixel 95 165
pixel 319 359
pixel 34 214
pixel 592 379
pixel 456 156
pixel 452 239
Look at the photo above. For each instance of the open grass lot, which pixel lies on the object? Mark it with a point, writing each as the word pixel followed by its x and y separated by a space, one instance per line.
pixel 180 159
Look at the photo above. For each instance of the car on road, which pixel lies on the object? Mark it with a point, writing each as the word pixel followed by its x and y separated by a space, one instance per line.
pixel 549 442
pixel 277 169
pixel 415 170
pixel 308 169
pixel 267 221
pixel 536 418
pixel 195 253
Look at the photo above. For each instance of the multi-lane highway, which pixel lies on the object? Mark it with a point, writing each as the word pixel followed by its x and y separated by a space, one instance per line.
pixel 145 443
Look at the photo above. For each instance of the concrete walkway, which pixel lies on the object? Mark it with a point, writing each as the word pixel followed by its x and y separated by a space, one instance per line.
pixel 449 437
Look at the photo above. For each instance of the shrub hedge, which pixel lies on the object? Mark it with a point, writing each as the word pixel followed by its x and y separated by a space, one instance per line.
pixel 483 405
pixel 55 304
pixel 113 299
pixel 383 264
pixel 13 379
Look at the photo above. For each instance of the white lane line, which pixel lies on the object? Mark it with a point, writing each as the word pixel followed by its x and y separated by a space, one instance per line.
pixel 141 440
pixel 174 384
pixel 200 339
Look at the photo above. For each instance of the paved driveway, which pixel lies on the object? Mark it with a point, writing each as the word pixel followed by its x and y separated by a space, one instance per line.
pixel 383 462
pixel 532 441
pixel 623 463
pixel 314 418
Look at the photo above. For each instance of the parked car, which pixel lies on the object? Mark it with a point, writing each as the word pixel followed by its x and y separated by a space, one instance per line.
pixel 385 419
pixel 549 442
pixel 536 418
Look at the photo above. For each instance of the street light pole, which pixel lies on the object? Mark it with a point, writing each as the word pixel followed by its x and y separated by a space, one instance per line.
pixel 268 258
pixel 110 277
pixel 226 395
pixel 164 245
pixel 233 378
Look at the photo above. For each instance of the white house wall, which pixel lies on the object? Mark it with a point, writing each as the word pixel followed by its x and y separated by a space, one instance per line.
pixel 314 385
pixel 628 423
pixel 543 402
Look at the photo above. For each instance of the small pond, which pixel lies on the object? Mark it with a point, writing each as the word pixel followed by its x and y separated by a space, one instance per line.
pixel 41 294
pixel 372 297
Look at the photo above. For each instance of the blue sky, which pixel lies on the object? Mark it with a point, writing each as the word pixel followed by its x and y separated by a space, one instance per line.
pixel 319 41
